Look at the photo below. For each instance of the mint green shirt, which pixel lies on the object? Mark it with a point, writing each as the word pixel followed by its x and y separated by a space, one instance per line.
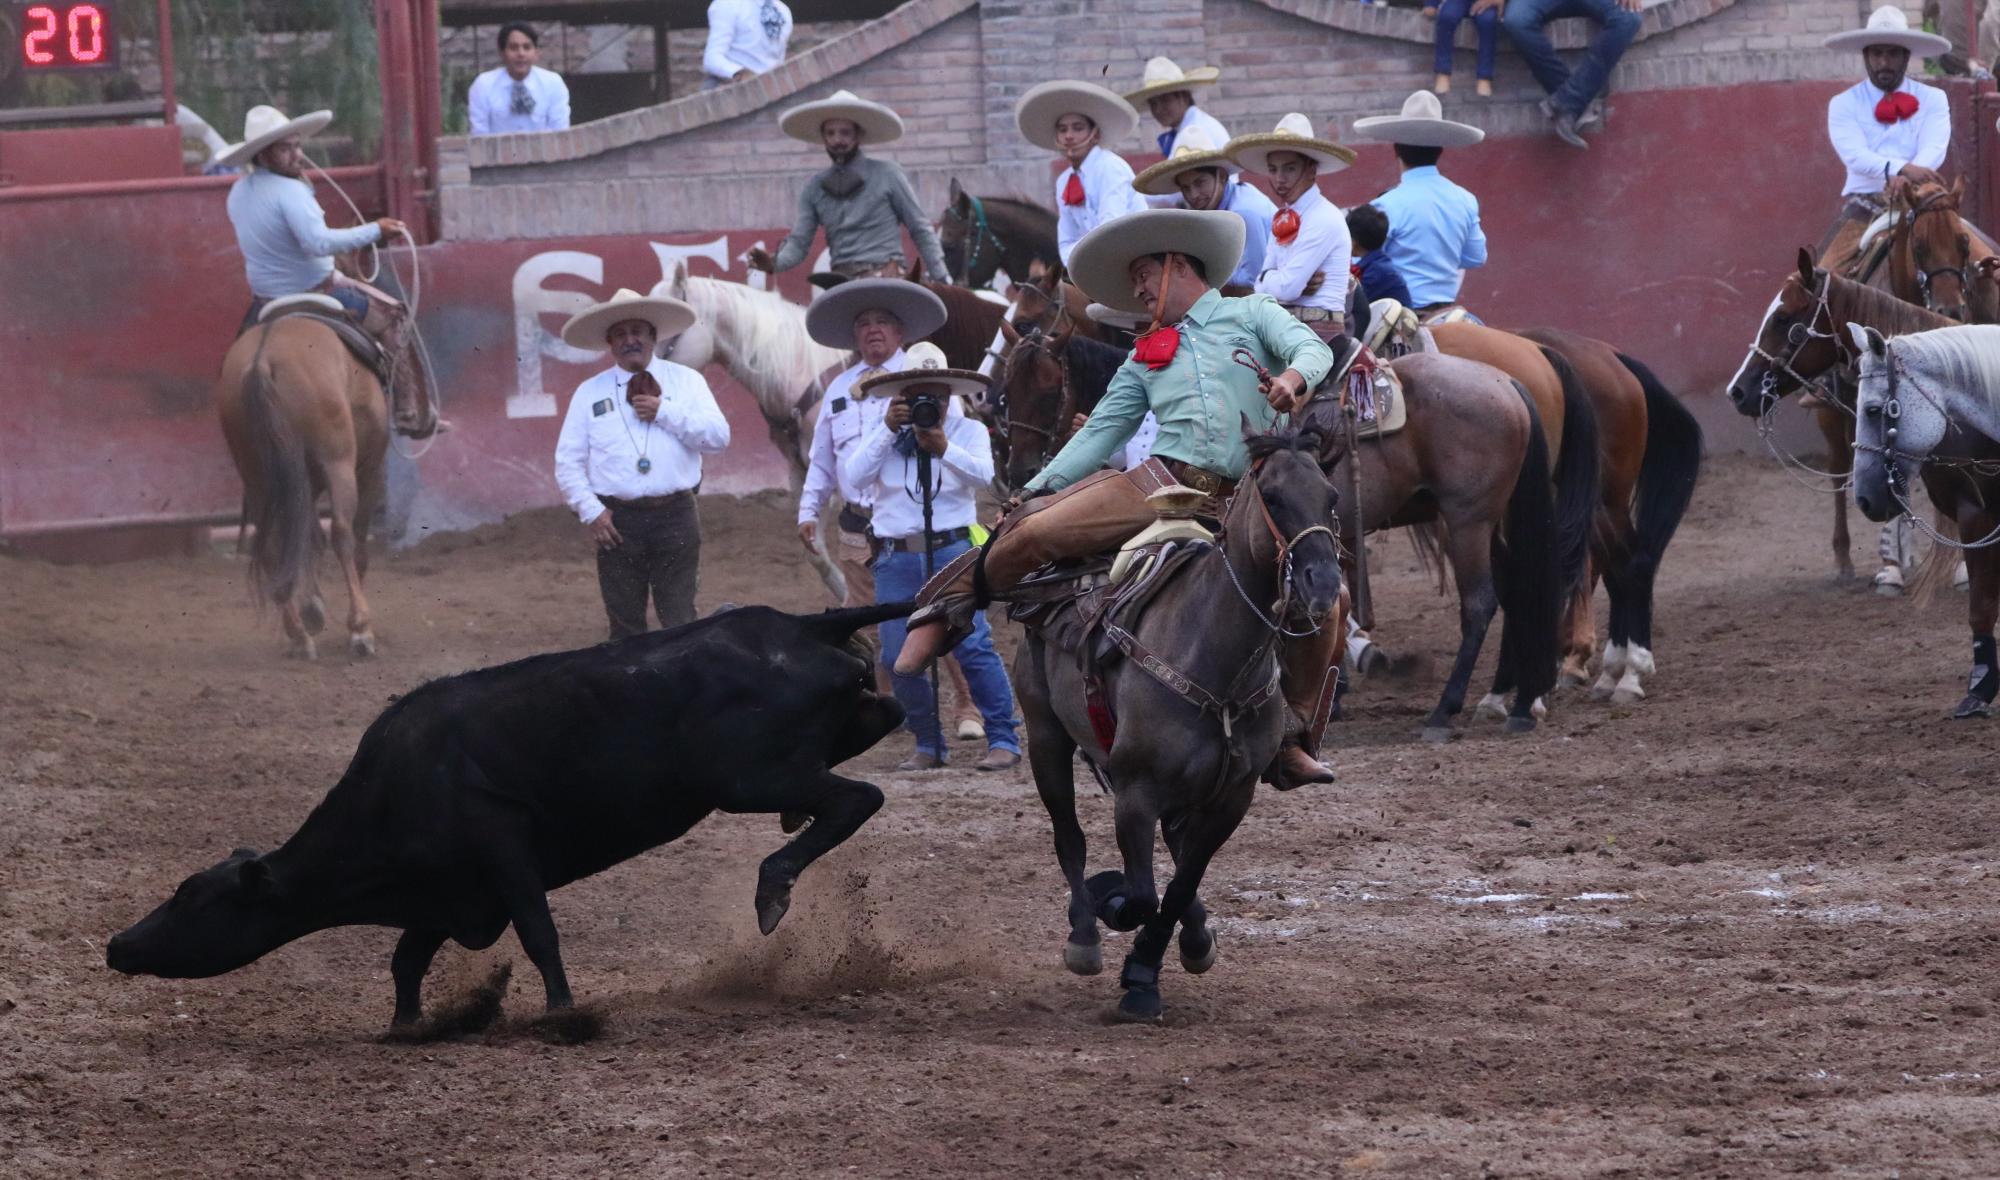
pixel 1201 398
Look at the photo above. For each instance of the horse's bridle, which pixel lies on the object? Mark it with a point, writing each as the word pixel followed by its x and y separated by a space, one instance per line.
pixel 1801 336
pixel 1890 453
pixel 981 232
pixel 1281 611
pixel 1943 201
pixel 1065 403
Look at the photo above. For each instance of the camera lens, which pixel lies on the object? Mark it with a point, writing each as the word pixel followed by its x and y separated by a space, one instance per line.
pixel 925 412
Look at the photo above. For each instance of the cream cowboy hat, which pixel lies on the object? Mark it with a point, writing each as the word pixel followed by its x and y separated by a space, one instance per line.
pixel 830 319
pixel 264 126
pixel 586 329
pixel 1101 264
pixel 1888 26
pixel 878 123
pixel 1162 76
pixel 1192 149
pixel 924 364
pixel 1294 134
pixel 1422 124
pixel 1111 317
pixel 1037 111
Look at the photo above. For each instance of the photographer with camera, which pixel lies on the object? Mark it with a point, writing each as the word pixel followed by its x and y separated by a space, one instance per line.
pixel 922 461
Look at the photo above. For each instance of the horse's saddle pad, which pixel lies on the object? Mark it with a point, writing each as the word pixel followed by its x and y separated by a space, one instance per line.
pixel 1069 603
pixel 356 338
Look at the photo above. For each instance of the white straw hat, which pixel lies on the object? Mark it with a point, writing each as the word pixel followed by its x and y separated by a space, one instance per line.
pixel 1422 124
pixel 1294 134
pixel 1037 111
pixel 1162 76
pixel 1888 25
pixel 1101 264
pixel 1192 149
pixel 830 319
pixel 264 126
pixel 586 329
pixel 878 123
pixel 924 363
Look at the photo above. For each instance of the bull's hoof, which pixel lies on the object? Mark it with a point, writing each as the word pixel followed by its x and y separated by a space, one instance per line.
pixel 312 616
pixel 361 646
pixel 772 901
pixel 1972 709
pixel 1197 955
pixel 1139 1006
pixel 1083 959
pixel 1520 725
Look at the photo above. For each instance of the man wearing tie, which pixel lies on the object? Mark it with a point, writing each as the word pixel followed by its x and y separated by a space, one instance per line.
pixel 519 95
pixel 745 38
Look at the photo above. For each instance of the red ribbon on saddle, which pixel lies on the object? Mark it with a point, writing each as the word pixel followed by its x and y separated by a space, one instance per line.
pixel 1894 108
pixel 1285 226
pixel 1073 191
pixel 1156 349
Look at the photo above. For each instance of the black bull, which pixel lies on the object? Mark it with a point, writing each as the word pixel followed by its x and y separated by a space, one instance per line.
pixel 473 796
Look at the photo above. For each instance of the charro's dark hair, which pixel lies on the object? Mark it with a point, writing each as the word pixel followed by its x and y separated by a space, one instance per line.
pixel 1368 226
pixel 517 26
pixel 1418 157
pixel 1195 264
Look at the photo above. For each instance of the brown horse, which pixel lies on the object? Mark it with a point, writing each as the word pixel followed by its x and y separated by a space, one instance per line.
pixel 303 416
pixel 1039 302
pixel 1932 251
pixel 981 236
pixel 1044 383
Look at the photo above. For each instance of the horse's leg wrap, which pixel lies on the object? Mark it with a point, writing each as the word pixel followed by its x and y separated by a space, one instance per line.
pixel 1985 681
pixel 1138 975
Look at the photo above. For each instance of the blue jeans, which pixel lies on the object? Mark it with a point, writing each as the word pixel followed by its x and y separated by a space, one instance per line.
pixel 1450 12
pixel 1570 91
pixel 898 577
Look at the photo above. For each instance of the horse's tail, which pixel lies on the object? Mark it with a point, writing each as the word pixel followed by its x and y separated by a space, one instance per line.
pixel 1527 567
pixel 1667 469
pixel 284 548
pixel 1940 565
pixel 1577 489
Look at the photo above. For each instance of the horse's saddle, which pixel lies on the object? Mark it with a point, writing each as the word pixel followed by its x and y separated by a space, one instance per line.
pixel 1069 603
pixel 327 310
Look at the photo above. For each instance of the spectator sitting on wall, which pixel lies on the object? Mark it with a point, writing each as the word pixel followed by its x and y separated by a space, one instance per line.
pixel 1369 227
pixel 1571 91
pixel 745 38
pixel 520 95
pixel 1485 16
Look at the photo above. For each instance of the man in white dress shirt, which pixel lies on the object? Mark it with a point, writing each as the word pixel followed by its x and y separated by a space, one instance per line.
pixel 629 458
pixel 887 465
pixel 1167 93
pixel 1075 120
pixel 518 95
pixel 1887 129
pixel 745 38
pixel 1307 257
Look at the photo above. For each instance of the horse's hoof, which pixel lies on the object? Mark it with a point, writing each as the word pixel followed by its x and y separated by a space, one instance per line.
pixel 312 616
pixel 1569 679
pixel 1519 725
pixel 1438 735
pixel 1140 1006
pixel 361 647
pixel 1972 709
pixel 1628 696
pixel 303 649
pixel 1889 589
pixel 1491 705
pixel 1199 961
pixel 1372 658
pixel 772 902
pixel 1602 690
pixel 1084 960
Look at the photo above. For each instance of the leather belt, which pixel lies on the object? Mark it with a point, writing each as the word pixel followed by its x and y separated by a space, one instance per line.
pixel 1313 315
pixel 916 544
pixel 645 502
pixel 1202 480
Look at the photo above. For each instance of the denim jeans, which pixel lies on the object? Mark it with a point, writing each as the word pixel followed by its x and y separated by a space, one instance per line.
pixel 898 577
pixel 1450 13
pixel 1570 91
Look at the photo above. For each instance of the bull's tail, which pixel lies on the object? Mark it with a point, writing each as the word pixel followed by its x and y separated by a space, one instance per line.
pixel 1528 568
pixel 836 626
pixel 1577 490
pixel 1667 469
pixel 278 495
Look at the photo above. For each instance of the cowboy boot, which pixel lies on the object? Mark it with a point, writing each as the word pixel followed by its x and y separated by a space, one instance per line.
pixel 1294 768
pixel 1309 694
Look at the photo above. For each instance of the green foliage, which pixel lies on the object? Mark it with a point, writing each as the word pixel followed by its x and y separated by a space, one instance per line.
pixel 296 55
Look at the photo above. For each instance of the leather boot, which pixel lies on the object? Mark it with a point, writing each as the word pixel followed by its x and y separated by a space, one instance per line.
pixel 1294 768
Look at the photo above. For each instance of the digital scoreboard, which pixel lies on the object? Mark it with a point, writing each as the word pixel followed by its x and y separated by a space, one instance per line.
pixel 51 36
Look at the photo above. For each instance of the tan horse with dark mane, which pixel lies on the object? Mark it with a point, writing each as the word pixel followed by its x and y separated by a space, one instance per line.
pixel 303 417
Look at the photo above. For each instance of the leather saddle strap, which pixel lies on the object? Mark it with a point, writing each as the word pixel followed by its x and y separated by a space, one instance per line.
pixel 1184 686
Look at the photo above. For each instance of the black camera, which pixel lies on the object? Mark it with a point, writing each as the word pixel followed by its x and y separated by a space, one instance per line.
pixel 926 410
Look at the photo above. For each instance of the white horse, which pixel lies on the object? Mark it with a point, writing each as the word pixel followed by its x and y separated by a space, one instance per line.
pixel 760 337
pixel 1929 407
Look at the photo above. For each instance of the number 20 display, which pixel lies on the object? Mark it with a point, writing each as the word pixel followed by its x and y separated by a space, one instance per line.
pixel 67 36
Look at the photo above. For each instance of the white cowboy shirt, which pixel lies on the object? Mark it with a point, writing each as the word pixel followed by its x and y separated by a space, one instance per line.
pixel 490 102
pixel 1322 247
pixel 603 439
pixel 745 35
pixel 891 478
pixel 1107 193
pixel 1195 117
pixel 834 435
pixel 1873 151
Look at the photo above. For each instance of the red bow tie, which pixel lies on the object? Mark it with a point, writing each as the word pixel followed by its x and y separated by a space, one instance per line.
pixel 1894 108
pixel 1073 191
pixel 1285 226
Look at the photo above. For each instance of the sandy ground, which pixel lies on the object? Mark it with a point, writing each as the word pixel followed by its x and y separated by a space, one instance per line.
pixel 1748 927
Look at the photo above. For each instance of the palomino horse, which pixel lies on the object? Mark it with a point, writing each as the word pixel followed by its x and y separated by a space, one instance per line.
pixel 303 416
pixel 1800 341
pixel 1469 473
pixel 1929 405
pixel 982 236
pixel 1192 725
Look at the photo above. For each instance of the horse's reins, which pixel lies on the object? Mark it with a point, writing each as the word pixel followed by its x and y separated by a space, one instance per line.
pixel 1802 336
pixel 1943 201
pixel 1892 412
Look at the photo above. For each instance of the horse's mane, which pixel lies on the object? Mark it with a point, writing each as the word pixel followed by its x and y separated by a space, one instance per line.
pixel 1963 357
pixel 1091 363
pixel 1022 205
pixel 1305 438
pixel 765 331
pixel 1880 309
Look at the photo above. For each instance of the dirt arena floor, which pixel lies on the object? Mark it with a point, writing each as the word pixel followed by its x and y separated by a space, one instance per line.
pixel 1747 928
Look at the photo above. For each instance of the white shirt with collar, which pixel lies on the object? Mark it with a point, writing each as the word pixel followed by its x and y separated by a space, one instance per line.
pixel 1195 117
pixel 739 40
pixel 1873 151
pixel 890 479
pixel 603 439
pixel 490 102
pixel 835 433
pixel 1107 193
pixel 1322 247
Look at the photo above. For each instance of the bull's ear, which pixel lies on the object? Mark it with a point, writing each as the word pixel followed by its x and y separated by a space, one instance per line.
pixel 1806 265
pixel 254 876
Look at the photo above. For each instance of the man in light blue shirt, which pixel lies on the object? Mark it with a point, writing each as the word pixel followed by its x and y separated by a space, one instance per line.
pixel 1434 232
pixel 1200 175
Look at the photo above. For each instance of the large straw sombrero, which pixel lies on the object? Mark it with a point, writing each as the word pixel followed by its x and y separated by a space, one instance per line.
pixel 924 363
pixel 878 123
pixel 264 126
pixel 1294 134
pixel 1888 26
pixel 830 319
pixel 1101 264
pixel 1037 111
pixel 586 329
pixel 1192 149
pixel 1422 124
pixel 1162 76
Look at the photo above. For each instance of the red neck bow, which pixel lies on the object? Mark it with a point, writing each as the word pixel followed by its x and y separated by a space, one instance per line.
pixel 1073 191
pixel 1895 107
pixel 1285 226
